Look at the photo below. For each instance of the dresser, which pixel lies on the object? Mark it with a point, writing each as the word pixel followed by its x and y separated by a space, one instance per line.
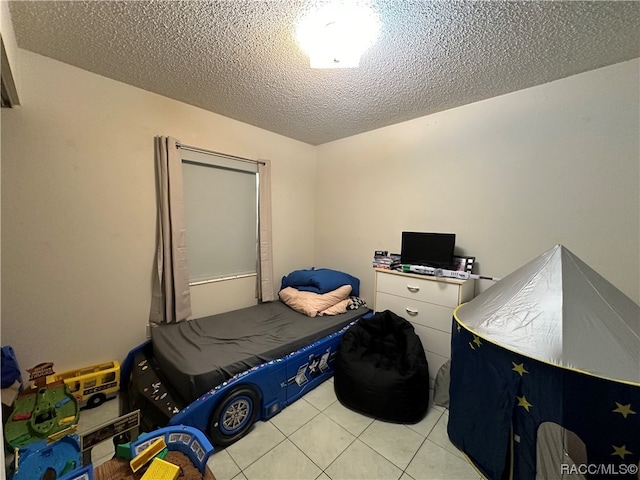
pixel 428 303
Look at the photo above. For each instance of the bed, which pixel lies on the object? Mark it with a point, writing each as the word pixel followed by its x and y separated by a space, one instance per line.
pixel 197 355
pixel 221 373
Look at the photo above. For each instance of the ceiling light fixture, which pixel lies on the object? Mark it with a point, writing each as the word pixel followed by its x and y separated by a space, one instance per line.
pixel 335 35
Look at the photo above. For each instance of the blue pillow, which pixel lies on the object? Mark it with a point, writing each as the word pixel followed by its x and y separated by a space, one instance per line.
pixel 321 280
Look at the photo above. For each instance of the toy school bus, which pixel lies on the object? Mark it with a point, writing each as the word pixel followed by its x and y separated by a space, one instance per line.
pixel 91 385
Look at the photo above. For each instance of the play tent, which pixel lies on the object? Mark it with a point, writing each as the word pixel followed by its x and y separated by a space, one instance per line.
pixel 545 374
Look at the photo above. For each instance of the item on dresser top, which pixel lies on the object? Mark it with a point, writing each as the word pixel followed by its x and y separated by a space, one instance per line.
pixel 463 263
pixel 383 259
pixel 428 249
pixel 441 272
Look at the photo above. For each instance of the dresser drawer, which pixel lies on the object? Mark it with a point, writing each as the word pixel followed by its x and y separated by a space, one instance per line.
pixel 417 312
pixel 434 341
pixel 437 348
pixel 424 290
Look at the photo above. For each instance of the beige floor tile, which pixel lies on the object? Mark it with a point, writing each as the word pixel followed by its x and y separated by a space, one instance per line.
pixel 424 426
pixel 322 440
pixel 294 416
pixel 262 438
pixel 433 462
pixel 322 396
pixel 397 443
pixel 285 462
pixel 351 421
pixel 361 462
pixel 222 465
pixel 317 432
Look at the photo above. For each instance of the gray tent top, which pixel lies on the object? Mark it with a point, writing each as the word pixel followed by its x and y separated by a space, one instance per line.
pixel 559 310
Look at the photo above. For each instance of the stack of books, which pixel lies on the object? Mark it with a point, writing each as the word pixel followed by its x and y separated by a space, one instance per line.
pixel 383 259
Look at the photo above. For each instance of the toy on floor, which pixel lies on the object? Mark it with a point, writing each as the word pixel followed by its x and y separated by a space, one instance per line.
pixel 160 455
pixel 91 385
pixel 184 450
pixel 42 459
pixel 161 470
pixel 150 452
pixel 188 440
pixel 42 411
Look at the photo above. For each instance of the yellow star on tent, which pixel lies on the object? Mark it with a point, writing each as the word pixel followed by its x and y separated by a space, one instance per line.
pixel 519 368
pixel 620 451
pixel 624 410
pixel 471 345
pixel 458 327
pixel 476 340
pixel 523 402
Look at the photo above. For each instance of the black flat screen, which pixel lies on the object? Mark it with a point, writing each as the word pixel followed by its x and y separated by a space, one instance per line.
pixel 428 249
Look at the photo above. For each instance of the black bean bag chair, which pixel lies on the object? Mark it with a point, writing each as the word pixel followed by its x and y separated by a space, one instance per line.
pixel 381 370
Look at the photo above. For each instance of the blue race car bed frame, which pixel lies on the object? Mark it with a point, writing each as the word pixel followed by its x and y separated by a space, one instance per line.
pixel 227 410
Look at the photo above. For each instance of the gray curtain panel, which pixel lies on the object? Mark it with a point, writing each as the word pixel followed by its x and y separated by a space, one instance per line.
pixel 171 299
pixel 266 289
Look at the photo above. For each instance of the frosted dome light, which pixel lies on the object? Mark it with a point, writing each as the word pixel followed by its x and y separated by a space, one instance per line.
pixel 336 35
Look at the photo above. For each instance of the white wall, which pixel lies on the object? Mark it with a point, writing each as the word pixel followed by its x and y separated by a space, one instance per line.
pixel 9 41
pixel 78 209
pixel 11 48
pixel 512 176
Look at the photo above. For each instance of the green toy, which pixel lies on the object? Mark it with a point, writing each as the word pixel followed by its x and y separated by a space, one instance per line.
pixel 42 411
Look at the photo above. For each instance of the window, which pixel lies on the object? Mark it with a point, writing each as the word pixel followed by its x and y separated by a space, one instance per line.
pixel 221 216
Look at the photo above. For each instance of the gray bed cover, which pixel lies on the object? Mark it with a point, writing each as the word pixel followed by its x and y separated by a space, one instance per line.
pixel 196 355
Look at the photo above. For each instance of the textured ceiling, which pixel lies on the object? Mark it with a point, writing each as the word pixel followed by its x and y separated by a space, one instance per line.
pixel 239 58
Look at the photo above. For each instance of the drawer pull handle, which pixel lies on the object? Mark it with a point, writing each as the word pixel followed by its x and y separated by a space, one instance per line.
pixel 411 311
pixel 411 288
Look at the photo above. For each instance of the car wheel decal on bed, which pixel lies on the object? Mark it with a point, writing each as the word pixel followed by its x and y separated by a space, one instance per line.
pixel 234 416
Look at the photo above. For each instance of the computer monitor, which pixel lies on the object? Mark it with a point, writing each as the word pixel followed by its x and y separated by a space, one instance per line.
pixel 428 249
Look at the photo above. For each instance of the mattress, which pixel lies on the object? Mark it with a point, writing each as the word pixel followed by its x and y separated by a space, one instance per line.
pixel 196 355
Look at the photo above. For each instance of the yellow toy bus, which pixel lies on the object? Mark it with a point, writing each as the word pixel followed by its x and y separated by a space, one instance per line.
pixel 91 385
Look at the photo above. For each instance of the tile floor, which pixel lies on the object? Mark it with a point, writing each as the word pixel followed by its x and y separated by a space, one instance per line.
pixel 318 438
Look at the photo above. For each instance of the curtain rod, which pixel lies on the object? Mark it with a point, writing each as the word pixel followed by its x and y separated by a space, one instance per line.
pixel 212 152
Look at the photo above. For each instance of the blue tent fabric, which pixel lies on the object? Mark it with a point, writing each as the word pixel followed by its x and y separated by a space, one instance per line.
pixel 321 280
pixel 480 411
pixel 494 389
pixel 545 374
